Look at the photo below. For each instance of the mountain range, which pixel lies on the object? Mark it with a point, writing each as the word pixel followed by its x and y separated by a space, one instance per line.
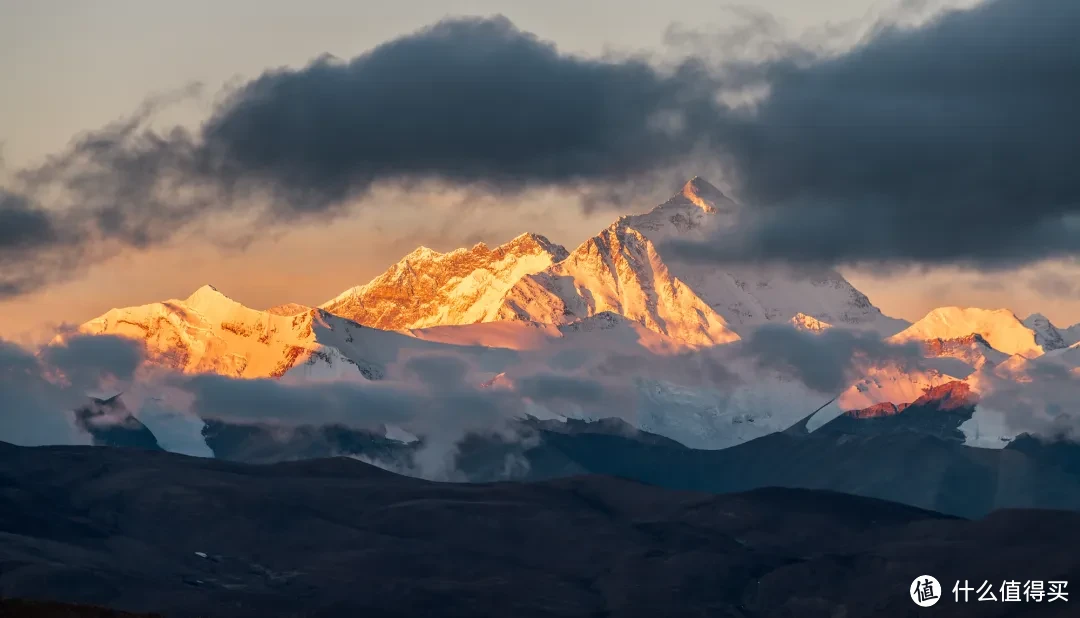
pixel 761 439
pixel 530 303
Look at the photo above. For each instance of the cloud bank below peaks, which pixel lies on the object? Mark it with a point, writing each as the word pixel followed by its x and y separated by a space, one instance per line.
pixel 42 390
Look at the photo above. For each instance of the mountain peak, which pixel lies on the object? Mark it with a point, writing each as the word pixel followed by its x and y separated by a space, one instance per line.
pixel 206 296
pixel 1046 334
pixel 534 243
pixel 422 253
pixel 702 194
pixel 999 327
pixel 429 288
pixel 207 288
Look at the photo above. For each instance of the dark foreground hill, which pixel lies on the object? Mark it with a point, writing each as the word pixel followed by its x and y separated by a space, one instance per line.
pixel 27 608
pixel 152 531
pixel 911 460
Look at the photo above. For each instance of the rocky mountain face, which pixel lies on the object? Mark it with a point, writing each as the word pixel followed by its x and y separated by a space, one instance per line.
pixel 626 269
pixel 972 349
pixel 1046 334
pixel 945 397
pixel 618 271
pixel 428 288
pixel 623 269
pixel 110 423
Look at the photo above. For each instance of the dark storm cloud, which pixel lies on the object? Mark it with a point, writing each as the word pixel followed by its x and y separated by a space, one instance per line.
pixel 828 361
pixel 467 101
pixel 22 225
pixel 106 354
pixel 956 142
pixel 25 231
pixel 261 400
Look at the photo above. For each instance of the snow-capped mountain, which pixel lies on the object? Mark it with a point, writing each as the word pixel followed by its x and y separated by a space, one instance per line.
pixel 428 288
pixel 209 332
pixel 1047 336
pixel 617 271
pixel 621 270
pixel 972 349
pixel 624 269
pixel 998 327
pixel 761 402
pixel 749 296
pixel 616 310
pixel 1070 335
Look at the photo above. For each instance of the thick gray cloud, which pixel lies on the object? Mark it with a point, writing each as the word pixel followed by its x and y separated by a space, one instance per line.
pixel 955 142
pixel 470 100
pixel 87 355
pixel 265 400
pixel 433 397
pixel 467 101
pixel 1046 403
pixel 433 402
pixel 552 387
pixel 952 142
pixel 440 371
pixel 21 224
pixel 27 234
pixel 827 362
pixel 40 391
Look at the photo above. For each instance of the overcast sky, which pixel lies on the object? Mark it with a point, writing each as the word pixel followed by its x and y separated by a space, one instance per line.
pixel 70 67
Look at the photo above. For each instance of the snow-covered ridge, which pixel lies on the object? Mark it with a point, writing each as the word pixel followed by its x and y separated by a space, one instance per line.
pixel 622 270
pixel 972 349
pixel 1070 335
pixel 750 296
pixel 428 288
pixel 998 327
pixel 1047 335
pixel 515 307
pixel 209 332
pixel 617 271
